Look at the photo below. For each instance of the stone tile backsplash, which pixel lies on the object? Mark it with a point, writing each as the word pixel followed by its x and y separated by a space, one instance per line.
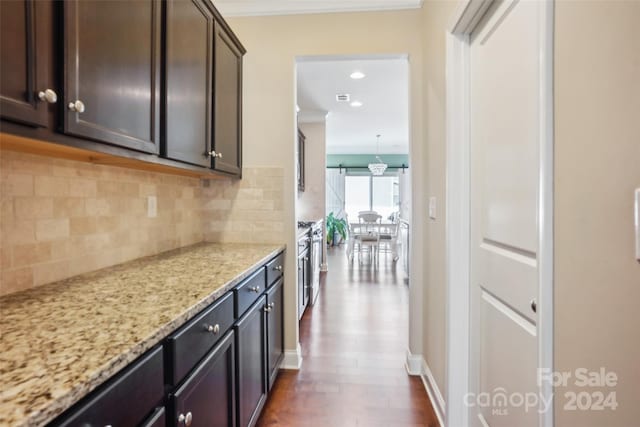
pixel 60 218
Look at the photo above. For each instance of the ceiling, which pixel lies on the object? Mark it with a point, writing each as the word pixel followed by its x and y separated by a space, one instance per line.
pixel 384 93
pixel 287 7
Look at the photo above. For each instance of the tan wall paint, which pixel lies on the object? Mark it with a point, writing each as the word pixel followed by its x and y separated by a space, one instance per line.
pixel 311 202
pixel 597 166
pixel 437 15
pixel 269 128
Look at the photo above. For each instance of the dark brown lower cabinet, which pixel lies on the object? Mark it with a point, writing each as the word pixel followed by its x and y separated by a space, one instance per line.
pixel 251 335
pixel 275 330
pixel 207 397
pixel 141 382
pixel 157 419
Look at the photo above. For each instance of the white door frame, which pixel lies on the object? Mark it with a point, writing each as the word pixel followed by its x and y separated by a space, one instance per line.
pixel 458 243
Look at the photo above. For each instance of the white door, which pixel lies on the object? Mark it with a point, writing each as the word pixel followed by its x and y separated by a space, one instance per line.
pixel 505 148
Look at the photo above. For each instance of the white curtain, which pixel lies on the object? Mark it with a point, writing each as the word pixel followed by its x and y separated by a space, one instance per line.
pixel 335 192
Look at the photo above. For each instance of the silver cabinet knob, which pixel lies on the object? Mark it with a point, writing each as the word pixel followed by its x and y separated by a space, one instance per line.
pixel 534 306
pixel 219 155
pixel 267 309
pixel 77 106
pixel 186 419
pixel 212 154
pixel 278 268
pixel 306 258
pixel 48 95
pixel 214 329
pixel 255 289
pixel 271 305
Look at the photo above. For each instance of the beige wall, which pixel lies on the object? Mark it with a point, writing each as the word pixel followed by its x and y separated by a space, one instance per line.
pixel 436 15
pixel 311 201
pixel 272 43
pixel 597 149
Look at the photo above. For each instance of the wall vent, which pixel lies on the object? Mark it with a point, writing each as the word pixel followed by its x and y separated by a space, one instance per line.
pixel 343 97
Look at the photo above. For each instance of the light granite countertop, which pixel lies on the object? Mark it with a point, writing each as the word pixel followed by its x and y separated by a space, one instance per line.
pixel 60 341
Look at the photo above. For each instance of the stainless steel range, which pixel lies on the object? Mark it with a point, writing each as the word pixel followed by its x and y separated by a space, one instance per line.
pixel 317 246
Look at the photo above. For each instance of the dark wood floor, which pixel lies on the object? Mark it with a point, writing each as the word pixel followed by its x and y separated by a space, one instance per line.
pixel 353 346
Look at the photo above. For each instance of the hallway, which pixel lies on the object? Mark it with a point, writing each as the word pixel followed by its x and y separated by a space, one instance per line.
pixel 353 347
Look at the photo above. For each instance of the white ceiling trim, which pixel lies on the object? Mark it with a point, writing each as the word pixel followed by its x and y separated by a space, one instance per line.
pixel 296 7
pixel 312 116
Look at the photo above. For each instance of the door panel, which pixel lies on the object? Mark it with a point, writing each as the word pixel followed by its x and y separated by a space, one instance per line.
pixel 117 80
pixel 251 335
pixel 509 362
pixel 25 59
pixel 208 393
pixel 228 104
pixel 275 338
pixel 505 140
pixel 189 75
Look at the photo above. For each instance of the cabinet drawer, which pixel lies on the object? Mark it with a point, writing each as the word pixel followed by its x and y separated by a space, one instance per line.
pixel 187 346
pixel 275 268
pixel 249 291
pixel 142 382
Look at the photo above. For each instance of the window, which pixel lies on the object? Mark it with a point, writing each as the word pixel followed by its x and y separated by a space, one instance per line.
pixel 371 193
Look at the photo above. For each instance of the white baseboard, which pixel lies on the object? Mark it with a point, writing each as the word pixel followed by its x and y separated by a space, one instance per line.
pixel 413 364
pixel 434 393
pixel 292 359
pixel 417 366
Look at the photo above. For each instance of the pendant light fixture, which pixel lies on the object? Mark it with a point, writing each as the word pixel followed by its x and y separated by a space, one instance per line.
pixel 377 169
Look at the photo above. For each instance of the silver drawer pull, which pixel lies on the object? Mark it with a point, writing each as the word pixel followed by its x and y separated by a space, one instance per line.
pixel 271 305
pixel 267 309
pixel 214 329
pixel 51 97
pixel 255 289
pixel 278 268
pixel 76 106
pixel 186 419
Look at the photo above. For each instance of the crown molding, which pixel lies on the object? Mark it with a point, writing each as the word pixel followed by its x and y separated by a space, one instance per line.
pixel 230 8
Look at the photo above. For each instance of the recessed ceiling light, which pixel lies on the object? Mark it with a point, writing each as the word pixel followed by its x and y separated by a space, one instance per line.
pixel 356 75
pixel 356 104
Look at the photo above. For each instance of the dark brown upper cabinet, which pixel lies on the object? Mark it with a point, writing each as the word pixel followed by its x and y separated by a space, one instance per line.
pixel 228 103
pixel 155 82
pixel 112 72
pixel 300 162
pixel 26 88
pixel 189 81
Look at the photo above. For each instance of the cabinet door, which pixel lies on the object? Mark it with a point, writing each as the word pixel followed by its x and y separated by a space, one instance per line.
pixel 189 78
pixel 251 336
pixel 275 331
pixel 112 72
pixel 228 104
pixel 300 286
pixel 25 59
pixel 206 399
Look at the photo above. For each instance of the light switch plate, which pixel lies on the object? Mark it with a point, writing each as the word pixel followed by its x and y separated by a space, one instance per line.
pixel 637 222
pixel 152 206
pixel 432 207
